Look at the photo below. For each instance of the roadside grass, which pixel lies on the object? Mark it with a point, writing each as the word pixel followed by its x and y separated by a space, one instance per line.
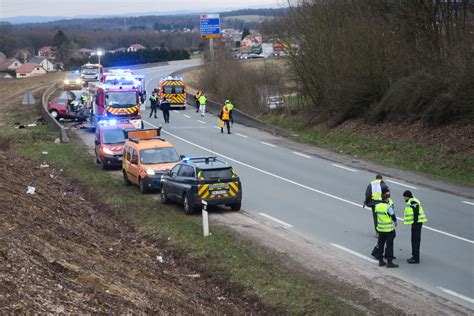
pixel 408 155
pixel 223 254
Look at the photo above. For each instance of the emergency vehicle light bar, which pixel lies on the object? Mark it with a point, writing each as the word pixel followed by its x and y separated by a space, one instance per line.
pixel 138 134
pixel 204 158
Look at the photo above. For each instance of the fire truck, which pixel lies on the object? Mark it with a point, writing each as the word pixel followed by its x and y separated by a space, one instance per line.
pixel 114 102
pixel 173 89
pixel 91 73
pixel 126 79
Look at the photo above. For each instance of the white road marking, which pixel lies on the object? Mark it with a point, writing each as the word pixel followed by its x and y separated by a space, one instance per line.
pixel 294 182
pixel 187 116
pixel 465 298
pixel 241 135
pixel 175 111
pixel 276 220
pixel 342 167
pixel 217 127
pixel 402 184
pixel 302 155
pixel 271 145
pixel 354 253
pixel 202 122
pixel 466 202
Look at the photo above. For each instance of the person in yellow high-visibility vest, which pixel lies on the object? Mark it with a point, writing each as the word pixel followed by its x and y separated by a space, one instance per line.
pixel 373 195
pixel 386 223
pixel 202 104
pixel 414 215
pixel 226 117
pixel 197 96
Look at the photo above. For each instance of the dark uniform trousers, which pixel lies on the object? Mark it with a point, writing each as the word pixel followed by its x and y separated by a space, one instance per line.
pixel 154 107
pixel 386 238
pixel 416 240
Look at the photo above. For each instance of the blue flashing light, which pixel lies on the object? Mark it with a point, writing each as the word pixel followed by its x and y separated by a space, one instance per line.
pixel 185 160
pixel 112 122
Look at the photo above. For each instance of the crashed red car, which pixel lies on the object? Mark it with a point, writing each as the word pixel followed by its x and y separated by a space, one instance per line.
pixel 65 109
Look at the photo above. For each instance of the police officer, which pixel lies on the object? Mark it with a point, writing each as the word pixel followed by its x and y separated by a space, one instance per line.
pixel 165 108
pixel 415 216
pixel 226 117
pixel 202 104
pixel 153 103
pixel 84 99
pixel 386 223
pixel 373 195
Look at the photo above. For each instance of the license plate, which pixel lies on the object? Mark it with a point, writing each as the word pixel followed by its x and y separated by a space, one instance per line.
pixel 219 186
pixel 219 192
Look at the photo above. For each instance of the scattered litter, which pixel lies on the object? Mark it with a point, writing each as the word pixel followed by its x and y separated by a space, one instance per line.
pixel 111 249
pixel 194 276
pixel 159 259
pixel 57 141
pixel 44 152
pixel 81 198
pixel 221 298
pixel 30 190
pixel 51 176
pixel 61 170
pixel 44 166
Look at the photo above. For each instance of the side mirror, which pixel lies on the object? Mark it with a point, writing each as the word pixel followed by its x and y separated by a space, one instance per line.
pixel 182 157
pixel 97 143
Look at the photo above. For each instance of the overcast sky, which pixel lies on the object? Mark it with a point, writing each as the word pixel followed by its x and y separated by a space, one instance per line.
pixel 9 8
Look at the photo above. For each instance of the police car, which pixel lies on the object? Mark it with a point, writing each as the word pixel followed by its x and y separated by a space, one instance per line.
pixel 201 178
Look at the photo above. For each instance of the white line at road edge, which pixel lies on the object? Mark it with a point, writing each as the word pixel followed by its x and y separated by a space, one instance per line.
pixel 271 145
pixel 342 167
pixel 302 155
pixel 187 116
pixel 402 184
pixel 293 182
pixel 202 122
pixel 354 253
pixel 276 220
pixel 465 298
pixel 466 202
pixel 176 111
pixel 243 136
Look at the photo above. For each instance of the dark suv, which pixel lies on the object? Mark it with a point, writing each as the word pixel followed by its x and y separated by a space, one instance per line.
pixel 202 178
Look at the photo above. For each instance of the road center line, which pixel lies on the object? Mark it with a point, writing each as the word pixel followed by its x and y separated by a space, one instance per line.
pixel 302 155
pixel 354 253
pixel 271 145
pixel 276 220
pixel 202 122
pixel 241 135
pixel 187 116
pixel 402 184
pixel 465 298
pixel 466 202
pixel 342 167
pixel 293 182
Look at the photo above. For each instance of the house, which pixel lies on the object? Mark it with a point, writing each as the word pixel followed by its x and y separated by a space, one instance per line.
pixel 85 52
pixel 135 47
pixel 47 51
pixel 119 50
pixel 30 70
pixel 10 64
pixel 44 62
pixel 250 41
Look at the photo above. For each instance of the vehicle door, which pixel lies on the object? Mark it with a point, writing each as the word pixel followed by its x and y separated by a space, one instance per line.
pixel 184 180
pixel 171 185
pixel 127 157
pixel 97 141
pixel 133 168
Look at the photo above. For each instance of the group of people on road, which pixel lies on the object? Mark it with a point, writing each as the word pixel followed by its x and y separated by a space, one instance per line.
pixel 377 197
pixel 163 104
pixel 225 117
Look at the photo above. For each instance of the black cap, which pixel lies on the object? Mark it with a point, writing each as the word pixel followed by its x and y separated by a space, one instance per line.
pixel 407 194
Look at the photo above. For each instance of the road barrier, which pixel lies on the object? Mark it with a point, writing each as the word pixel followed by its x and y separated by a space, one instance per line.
pixel 48 117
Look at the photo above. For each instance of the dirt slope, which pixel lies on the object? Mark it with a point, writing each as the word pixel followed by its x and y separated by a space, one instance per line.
pixel 61 251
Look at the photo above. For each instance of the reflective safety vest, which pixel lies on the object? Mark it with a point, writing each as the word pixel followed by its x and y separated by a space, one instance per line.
pixel 376 190
pixel 154 97
pixel 230 106
pixel 409 216
pixel 202 100
pixel 83 98
pixel 384 220
pixel 225 113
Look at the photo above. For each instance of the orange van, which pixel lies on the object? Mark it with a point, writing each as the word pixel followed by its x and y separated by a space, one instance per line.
pixel 146 157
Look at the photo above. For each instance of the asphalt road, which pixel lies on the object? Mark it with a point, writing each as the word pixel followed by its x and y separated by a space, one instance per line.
pixel 322 200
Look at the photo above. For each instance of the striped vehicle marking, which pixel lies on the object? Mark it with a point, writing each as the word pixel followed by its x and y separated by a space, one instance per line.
pixel 173 83
pixel 122 111
pixel 175 98
pixel 205 193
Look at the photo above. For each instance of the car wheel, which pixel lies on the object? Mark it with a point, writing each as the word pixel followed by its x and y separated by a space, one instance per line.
pixel 235 207
pixel 188 209
pixel 142 186
pixel 126 182
pixel 54 114
pixel 163 197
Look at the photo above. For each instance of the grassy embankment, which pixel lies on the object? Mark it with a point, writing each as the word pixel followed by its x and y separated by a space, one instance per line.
pixel 223 255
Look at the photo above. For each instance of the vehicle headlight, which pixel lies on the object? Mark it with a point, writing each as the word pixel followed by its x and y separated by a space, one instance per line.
pixel 108 151
pixel 66 81
pixel 79 81
pixel 150 172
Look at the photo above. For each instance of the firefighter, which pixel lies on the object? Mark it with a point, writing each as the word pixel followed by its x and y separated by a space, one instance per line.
pixel 153 103
pixel 229 105
pixel 415 216
pixel 165 108
pixel 226 117
pixel 202 104
pixel 386 223
pixel 84 100
pixel 197 96
pixel 373 194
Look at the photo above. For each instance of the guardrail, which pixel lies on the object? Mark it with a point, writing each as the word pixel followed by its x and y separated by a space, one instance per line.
pixel 48 117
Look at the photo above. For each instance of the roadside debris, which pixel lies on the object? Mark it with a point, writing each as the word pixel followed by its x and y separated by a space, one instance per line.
pixel 159 259
pixel 194 276
pixel 44 152
pixel 44 166
pixel 30 190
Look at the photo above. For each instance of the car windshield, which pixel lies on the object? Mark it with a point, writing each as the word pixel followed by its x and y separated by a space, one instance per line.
pixel 113 136
pixel 158 155
pixel 90 70
pixel 61 101
pixel 217 173
pixel 121 99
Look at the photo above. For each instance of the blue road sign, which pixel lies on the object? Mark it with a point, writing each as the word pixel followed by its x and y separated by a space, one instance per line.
pixel 210 26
